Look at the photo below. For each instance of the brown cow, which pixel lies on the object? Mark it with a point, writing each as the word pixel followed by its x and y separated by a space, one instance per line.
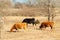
pixel 46 24
pixel 18 26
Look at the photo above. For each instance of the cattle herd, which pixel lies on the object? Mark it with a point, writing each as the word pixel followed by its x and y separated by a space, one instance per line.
pixel 32 21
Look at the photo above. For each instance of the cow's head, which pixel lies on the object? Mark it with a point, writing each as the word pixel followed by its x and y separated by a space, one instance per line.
pixel 37 22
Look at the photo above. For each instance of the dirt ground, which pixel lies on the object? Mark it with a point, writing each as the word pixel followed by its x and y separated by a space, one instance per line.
pixel 32 32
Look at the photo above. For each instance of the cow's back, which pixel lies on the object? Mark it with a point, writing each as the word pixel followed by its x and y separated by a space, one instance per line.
pixel 29 20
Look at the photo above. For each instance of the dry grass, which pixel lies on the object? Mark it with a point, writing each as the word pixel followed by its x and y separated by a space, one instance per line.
pixel 32 32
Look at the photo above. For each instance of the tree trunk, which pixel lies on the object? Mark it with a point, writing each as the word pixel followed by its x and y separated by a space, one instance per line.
pixel 52 17
pixel 49 17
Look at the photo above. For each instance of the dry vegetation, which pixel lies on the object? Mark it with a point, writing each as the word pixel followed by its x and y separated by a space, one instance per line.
pixel 6 9
pixel 32 32
pixel 10 15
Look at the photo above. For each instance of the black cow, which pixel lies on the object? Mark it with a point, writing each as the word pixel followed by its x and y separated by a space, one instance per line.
pixel 29 20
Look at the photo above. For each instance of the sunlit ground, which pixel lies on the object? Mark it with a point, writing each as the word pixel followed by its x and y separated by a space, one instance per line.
pixel 32 32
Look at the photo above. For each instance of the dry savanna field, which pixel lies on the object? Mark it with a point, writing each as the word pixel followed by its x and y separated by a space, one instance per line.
pixel 31 32
pixel 13 11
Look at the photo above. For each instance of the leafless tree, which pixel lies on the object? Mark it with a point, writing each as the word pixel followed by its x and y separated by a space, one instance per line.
pixel 52 8
pixel 49 7
pixel 18 5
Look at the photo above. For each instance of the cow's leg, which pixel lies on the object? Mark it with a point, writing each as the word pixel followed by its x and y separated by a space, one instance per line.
pixel 24 27
pixel 51 26
pixel 13 27
pixel 27 24
pixel 17 28
pixel 33 24
pixel 45 27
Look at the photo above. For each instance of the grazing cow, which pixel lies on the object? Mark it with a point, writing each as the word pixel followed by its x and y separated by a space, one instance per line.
pixel 46 24
pixel 29 20
pixel 17 26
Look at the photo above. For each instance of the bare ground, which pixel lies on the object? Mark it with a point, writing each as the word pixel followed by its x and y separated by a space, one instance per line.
pixel 32 32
